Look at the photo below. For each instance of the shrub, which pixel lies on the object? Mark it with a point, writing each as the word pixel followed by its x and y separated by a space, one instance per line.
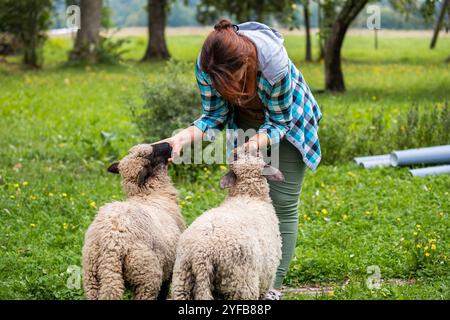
pixel 171 102
pixel 343 138
pixel 110 51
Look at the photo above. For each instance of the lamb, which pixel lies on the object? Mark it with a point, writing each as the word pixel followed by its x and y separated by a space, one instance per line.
pixel 133 242
pixel 232 251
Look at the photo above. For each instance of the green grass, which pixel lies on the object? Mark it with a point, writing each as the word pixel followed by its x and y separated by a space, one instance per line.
pixel 53 160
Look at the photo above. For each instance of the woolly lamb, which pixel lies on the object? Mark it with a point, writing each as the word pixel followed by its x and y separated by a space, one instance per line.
pixel 133 242
pixel 233 251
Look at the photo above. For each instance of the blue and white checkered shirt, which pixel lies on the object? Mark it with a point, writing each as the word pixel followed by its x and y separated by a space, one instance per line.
pixel 291 111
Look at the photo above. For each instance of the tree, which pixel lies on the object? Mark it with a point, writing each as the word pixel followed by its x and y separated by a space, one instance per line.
pixel 87 42
pixel 445 6
pixel 306 17
pixel 157 18
pixel 209 11
pixel 334 77
pixel 27 21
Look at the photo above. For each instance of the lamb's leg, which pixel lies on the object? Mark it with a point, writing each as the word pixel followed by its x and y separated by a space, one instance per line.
pixel 183 279
pixel 165 289
pixel 90 281
pixel 112 284
pixel 144 272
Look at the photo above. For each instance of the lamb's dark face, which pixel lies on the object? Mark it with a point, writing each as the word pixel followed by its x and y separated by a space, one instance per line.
pixel 143 162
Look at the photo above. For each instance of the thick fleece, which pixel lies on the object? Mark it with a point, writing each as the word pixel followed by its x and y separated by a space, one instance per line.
pixel 233 251
pixel 132 243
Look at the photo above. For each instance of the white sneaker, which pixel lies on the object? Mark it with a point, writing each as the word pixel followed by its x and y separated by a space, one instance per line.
pixel 273 294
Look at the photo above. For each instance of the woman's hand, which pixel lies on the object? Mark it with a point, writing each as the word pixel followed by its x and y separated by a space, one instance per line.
pixel 182 138
pixel 253 145
pixel 176 146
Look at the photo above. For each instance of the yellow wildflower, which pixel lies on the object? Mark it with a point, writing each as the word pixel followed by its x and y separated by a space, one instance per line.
pixel 16 185
pixel 223 168
pixel 324 211
pixel 33 197
pixel 426 248
pixel 25 183
pixel 65 226
pixel 427 254
pixel 433 247
pixel 32 225
pixel 50 194
pixel 418 226
pixel 418 246
pixel 93 204
pixel 64 194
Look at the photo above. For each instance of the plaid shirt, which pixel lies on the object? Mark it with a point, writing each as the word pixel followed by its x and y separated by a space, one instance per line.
pixel 291 112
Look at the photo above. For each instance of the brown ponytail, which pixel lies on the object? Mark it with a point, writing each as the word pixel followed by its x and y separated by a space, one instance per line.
pixel 223 53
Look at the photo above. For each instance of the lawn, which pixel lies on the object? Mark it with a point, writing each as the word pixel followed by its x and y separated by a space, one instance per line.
pixel 53 172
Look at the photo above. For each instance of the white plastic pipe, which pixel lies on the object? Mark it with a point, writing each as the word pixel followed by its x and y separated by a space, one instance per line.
pixel 430 171
pixel 360 160
pixel 433 155
pixel 377 163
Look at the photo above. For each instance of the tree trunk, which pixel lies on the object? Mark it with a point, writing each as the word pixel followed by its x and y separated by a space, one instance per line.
pixel 88 36
pixel 157 15
pixel 334 78
pixel 439 23
pixel 30 53
pixel 319 25
pixel 306 14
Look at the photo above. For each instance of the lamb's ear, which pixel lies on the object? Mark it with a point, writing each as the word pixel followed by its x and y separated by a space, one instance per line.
pixel 228 180
pixel 114 168
pixel 272 173
pixel 143 176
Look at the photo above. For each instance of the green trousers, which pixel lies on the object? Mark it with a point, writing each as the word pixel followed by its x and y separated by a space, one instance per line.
pixel 285 198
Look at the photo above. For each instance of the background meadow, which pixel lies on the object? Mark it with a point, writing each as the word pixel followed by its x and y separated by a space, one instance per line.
pixel 62 125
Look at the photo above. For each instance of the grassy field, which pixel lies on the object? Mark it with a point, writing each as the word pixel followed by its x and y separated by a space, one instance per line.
pixel 53 173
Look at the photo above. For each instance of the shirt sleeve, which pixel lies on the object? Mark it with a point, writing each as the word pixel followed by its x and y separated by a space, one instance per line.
pixel 215 108
pixel 278 114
